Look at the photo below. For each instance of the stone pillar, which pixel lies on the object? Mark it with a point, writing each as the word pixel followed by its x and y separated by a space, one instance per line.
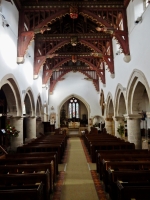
pixel 118 120
pixel 39 127
pixel 108 125
pixel 31 127
pixel 134 130
pixel 17 122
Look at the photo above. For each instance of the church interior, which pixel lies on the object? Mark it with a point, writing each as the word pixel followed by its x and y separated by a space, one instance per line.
pixel 74 99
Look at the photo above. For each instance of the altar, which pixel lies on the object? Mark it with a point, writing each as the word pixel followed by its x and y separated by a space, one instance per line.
pixel 73 124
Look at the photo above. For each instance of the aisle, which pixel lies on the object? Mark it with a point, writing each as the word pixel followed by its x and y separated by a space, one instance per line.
pixel 78 183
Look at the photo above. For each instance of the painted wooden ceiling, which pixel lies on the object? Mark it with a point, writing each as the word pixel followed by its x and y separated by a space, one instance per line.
pixel 72 36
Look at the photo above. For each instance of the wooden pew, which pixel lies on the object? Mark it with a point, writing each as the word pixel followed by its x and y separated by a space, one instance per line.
pixel 35 154
pixel 125 176
pixel 136 191
pixel 120 157
pixel 101 153
pixel 42 148
pixel 122 165
pixel 29 192
pixel 31 160
pixel 27 179
pixel 109 146
pixel 29 168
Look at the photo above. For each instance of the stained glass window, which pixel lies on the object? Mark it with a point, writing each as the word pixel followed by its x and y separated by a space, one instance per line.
pixel 73 107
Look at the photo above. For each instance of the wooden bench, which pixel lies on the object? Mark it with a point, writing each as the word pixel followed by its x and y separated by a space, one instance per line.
pixel 31 160
pixel 122 165
pixel 28 179
pixel 35 154
pixel 101 153
pixel 42 148
pixel 29 168
pixel 28 192
pixel 109 146
pixel 119 157
pixel 125 176
pixel 133 191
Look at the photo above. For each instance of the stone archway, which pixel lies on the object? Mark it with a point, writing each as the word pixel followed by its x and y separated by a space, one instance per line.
pixel 29 116
pixel 12 93
pixel 120 109
pixel 39 123
pixel 102 102
pixel 109 113
pixel 138 98
pixel 83 102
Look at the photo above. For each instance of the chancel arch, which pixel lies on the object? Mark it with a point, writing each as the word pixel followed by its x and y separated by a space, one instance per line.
pixel 84 110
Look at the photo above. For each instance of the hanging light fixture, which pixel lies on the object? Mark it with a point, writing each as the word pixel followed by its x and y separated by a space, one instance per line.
pixel 74 11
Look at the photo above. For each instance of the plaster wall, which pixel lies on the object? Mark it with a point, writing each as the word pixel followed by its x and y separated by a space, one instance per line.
pixel 23 73
pixel 139 44
pixel 75 84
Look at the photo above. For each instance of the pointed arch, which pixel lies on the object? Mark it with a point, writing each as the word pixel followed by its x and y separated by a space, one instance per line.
pixel 120 99
pixel 137 77
pixel 13 95
pixel 29 102
pixel 69 97
pixel 109 105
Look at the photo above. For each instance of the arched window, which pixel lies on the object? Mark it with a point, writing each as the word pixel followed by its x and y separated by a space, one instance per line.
pixel 73 108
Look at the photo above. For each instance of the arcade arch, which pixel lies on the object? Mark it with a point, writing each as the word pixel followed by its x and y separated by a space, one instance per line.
pixel 109 123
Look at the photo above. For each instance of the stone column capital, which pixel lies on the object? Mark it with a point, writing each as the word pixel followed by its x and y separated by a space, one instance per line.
pixel 132 116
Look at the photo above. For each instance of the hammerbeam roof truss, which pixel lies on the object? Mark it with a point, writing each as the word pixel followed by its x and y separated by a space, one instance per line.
pixel 50 25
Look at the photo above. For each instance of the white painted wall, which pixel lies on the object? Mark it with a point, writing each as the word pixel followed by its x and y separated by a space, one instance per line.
pixel 139 43
pixel 23 73
pixel 75 84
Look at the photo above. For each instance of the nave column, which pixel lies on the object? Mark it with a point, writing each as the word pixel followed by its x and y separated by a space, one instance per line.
pixel 39 127
pixel 134 130
pixel 109 125
pixel 17 122
pixel 118 120
pixel 31 127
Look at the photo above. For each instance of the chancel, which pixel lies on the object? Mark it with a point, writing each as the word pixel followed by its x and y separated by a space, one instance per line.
pixel 74 99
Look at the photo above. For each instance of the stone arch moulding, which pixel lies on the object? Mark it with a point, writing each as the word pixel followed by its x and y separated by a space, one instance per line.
pixel 31 98
pixel 108 100
pixel 38 103
pixel 119 90
pixel 14 87
pixel 136 77
pixel 102 102
pixel 78 97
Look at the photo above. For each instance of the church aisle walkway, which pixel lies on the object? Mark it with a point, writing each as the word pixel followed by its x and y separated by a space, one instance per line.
pixel 78 183
pixel 76 179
